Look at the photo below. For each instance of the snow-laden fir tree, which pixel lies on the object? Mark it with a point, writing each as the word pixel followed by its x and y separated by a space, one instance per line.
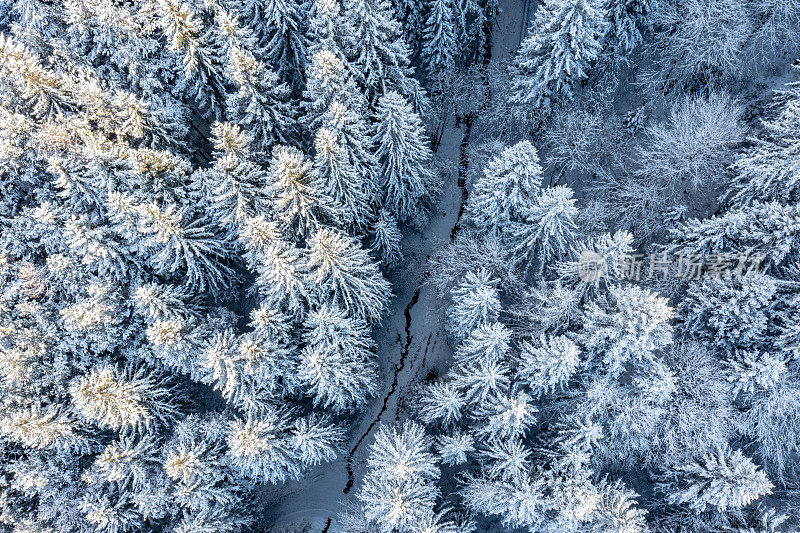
pixel 560 47
pixel 549 364
pixel 346 163
pixel 274 448
pixel 547 232
pixel 627 21
pixel 282 274
pixel 378 54
pixel 299 201
pixel 725 480
pixel 398 490
pixel 768 170
pixel 235 187
pixel 261 104
pixel 339 178
pixel 329 29
pixel 732 314
pixel 404 156
pixel 281 29
pixel 440 45
pixel 628 328
pixel 199 48
pixel 487 342
pixel 386 240
pixel 509 185
pixel 129 399
pixel 340 270
pixel 336 365
pixel 475 302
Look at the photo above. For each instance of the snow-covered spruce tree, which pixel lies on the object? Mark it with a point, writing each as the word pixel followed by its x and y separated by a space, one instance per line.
pixel 299 201
pixel 235 185
pixel 281 30
pixel 628 328
pixel 273 447
pixel 560 47
pixel 386 241
pixel 199 47
pixel 336 364
pixel 475 303
pixel 767 170
pixel 509 185
pixel 339 178
pixel 342 271
pixel 260 105
pixel 346 164
pixel 403 155
pixel 724 480
pixel 549 364
pixel 329 30
pixel 398 492
pixel 732 314
pixel 627 21
pixel 547 232
pixel 439 36
pixel 378 54
pixel 122 400
pixel 329 82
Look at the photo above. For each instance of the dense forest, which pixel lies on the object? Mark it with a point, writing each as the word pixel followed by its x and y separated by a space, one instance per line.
pixel 399 266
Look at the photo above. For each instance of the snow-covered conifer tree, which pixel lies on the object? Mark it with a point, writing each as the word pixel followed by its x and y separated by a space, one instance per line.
pixel 281 29
pixel 234 186
pixel 487 342
pixel 299 200
pixel 627 329
pixel 345 163
pixel 398 490
pixel 549 364
pixel 126 399
pixel 340 269
pixel 271 448
pixel 767 170
pixel 283 274
pixel 338 178
pixel 725 480
pixel 379 55
pixel 509 185
pixel 404 155
pixel 547 231
pixel 336 365
pixel 731 314
pixel 386 241
pixel 327 76
pixel 627 20
pixel 442 402
pixel 202 58
pixel 560 47
pixel 261 103
pixel 475 303
pixel 439 36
